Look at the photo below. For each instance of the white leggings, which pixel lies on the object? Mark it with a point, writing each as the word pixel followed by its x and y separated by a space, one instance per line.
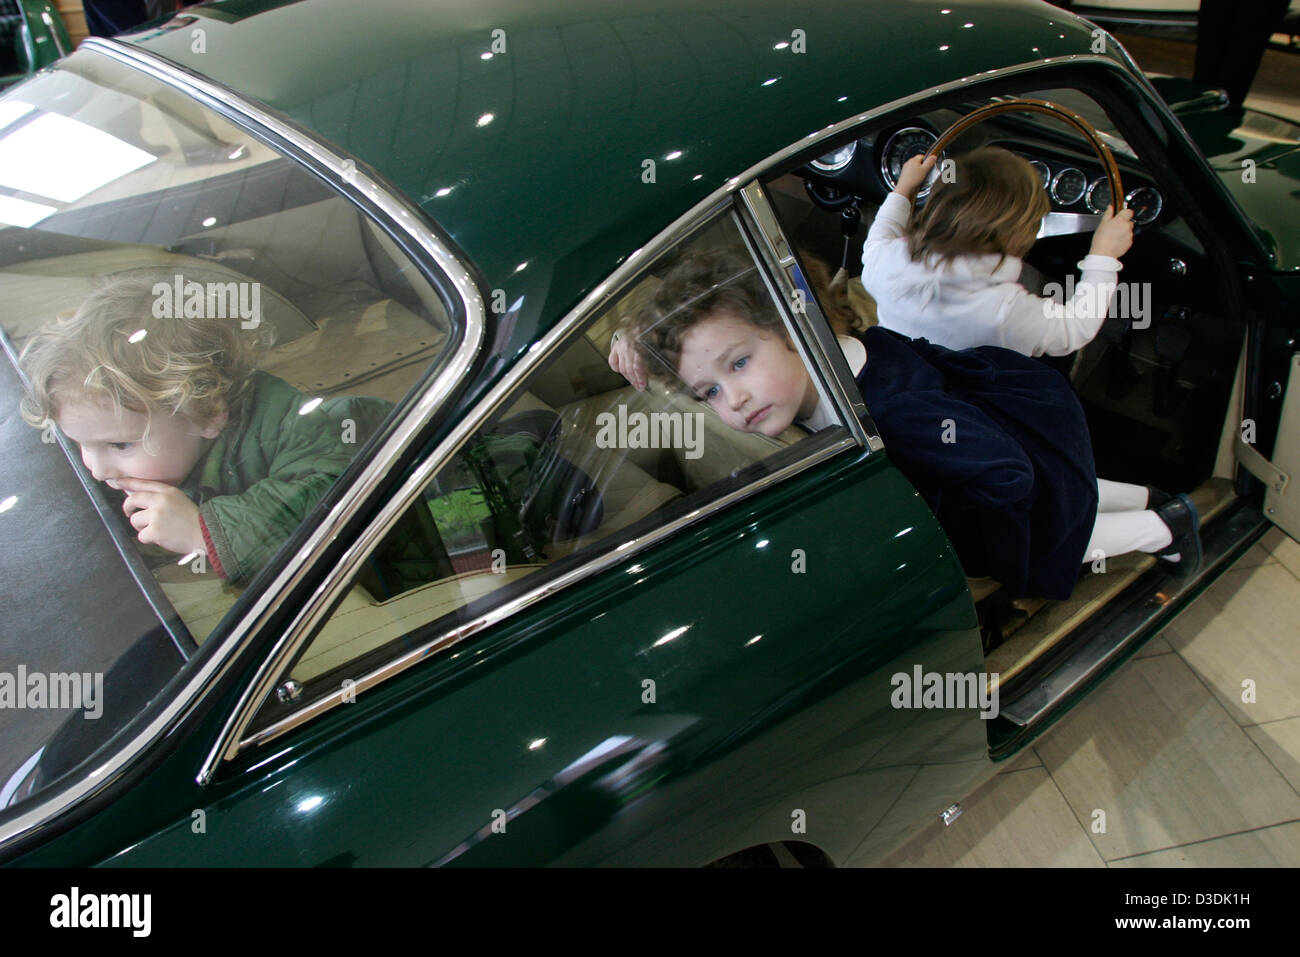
pixel 1124 523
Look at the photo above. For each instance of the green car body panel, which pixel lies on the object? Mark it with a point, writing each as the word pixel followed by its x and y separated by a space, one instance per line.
pixel 1257 156
pixel 744 738
pixel 769 712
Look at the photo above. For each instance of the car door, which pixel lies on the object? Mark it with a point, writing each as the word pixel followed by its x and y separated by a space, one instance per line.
pixel 705 653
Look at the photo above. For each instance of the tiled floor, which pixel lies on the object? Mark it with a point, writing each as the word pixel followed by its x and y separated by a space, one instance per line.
pixel 1189 755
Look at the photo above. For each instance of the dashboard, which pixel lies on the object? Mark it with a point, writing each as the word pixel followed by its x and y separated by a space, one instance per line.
pixel 867 169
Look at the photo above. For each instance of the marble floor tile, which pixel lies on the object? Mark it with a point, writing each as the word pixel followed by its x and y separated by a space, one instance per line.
pixel 1283 548
pixel 1246 627
pixel 1016 820
pixel 1027 758
pixel 1277 846
pixel 1280 742
pixel 1158 754
pixel 1156 646
pixel 1259 554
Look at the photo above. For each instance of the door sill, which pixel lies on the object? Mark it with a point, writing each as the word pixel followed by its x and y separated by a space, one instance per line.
pixel 1111 635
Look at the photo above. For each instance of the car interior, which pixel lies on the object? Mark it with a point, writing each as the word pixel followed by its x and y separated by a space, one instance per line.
pixel 1159 396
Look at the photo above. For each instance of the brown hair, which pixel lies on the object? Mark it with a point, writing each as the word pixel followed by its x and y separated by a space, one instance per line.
pixel 194 367
pixel 994 204
pixel 701 284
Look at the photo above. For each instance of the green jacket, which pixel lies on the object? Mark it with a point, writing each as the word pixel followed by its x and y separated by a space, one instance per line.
pixel 264 473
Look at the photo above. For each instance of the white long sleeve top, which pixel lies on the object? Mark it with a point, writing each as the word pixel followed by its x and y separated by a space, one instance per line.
pixel 972 300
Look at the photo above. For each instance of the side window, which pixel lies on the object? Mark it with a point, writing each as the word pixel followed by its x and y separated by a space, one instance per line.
pixel 576 461
pixel 199 336
pixel 257 327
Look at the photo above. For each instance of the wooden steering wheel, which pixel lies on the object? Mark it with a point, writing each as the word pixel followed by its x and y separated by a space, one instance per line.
pixel 1051 109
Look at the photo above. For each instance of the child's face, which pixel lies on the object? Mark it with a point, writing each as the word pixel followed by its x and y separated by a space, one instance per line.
pixel 112 447
pixel 750 376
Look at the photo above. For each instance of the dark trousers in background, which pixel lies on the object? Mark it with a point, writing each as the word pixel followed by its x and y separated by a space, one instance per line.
pixel 1231 36
pixel 108 18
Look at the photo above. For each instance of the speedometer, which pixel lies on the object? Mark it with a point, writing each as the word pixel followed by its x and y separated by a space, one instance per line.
pixel 901 147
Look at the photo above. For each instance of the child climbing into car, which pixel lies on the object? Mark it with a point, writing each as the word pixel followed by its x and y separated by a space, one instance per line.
pixel 216 457
pixel 995 441
pixel 949 272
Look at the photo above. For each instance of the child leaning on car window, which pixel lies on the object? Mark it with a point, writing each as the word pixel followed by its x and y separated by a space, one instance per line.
pixel 215 456
pixel 996 442
pixel 950 272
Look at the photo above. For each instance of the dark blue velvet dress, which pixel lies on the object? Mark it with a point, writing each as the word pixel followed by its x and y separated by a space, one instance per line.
pixel 997 444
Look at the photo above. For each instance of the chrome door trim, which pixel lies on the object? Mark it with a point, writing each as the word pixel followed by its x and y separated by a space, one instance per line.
pixel 233 739
pixel 409 222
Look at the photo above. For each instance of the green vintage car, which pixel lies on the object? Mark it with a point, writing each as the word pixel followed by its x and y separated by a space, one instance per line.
pixel 536 616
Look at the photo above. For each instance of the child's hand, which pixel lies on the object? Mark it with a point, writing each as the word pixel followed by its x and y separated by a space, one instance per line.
pixel 1114 235
pixel 626 360
pixel 162 515
pixel 915 171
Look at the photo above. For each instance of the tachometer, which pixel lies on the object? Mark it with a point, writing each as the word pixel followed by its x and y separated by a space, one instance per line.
pixel 1068 186
pixel 1043 170
pixel 1146 204
pixel 901 147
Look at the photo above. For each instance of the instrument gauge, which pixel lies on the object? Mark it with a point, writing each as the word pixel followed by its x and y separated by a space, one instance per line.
pixel 1068 186
pixel 901 147
pixel 1044 172
pixel 1146 204
pixel 1098 197
pixel 836 159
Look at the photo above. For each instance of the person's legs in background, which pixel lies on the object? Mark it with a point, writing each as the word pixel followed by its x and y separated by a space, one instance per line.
pixel 1231 36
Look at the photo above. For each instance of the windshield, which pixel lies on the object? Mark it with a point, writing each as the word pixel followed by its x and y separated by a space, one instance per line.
pixel 200 338
pixel 1083 105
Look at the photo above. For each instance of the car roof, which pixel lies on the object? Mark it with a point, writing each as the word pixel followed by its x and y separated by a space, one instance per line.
pixel 547 195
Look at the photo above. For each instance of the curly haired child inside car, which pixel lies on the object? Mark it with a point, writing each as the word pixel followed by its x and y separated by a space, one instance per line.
pixel 215 456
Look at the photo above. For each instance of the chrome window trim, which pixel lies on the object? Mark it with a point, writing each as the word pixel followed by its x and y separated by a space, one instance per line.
pixel 304 624
pixel 405 220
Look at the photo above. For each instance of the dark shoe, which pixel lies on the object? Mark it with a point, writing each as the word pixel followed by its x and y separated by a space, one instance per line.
pixel 1184 523
pixel 1156 497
